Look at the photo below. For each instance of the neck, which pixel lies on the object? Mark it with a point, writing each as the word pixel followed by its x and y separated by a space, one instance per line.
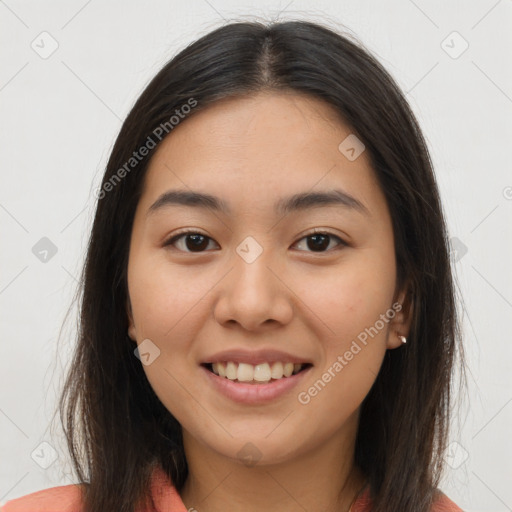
pixel 321 479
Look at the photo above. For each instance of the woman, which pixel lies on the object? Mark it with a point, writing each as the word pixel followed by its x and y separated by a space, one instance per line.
pixel 267 315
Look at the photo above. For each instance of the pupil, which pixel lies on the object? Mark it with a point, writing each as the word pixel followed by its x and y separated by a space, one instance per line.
pixel 315 242
pixel 320 242
pixel 198 242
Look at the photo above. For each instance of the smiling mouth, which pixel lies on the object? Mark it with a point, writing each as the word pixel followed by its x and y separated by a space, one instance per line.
pixel 255 374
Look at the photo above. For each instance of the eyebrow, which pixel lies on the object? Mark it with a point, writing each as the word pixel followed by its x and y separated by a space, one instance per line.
pixel 296 202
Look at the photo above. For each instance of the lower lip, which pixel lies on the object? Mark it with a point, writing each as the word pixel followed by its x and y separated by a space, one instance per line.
pixel 254 393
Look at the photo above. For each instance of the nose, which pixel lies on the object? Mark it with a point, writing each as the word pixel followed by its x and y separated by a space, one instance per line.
pixel 254 296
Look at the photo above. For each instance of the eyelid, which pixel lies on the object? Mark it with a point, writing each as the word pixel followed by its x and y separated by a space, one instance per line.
pixel 315 231
pixel 320 231
pixel 185 231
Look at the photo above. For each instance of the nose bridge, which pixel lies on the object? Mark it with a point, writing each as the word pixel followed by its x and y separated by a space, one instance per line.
pixel 252 294
pixel 254 283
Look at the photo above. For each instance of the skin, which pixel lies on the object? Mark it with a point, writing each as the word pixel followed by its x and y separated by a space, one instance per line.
pixel 251 152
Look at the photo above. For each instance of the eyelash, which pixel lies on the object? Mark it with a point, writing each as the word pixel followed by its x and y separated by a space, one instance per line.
pixel 182 234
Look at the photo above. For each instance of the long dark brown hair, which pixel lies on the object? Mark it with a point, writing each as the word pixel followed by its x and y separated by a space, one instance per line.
pixel 116 428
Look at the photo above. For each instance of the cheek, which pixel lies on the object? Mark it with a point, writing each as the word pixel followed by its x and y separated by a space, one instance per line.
pixel 164 297
pixel 351 357
pixel 351 303
pixel 167 309
pixel 349 299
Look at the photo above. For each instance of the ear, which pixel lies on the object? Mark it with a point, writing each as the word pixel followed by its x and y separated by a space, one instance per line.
pixel 400 325
pixel 132 334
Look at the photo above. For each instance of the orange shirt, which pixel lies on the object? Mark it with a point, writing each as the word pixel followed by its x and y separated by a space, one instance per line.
pixel 67 498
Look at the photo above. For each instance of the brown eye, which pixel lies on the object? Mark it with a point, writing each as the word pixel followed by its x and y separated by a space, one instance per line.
pixel 318 242
pixel 196 242
pixel 190 241
pixel 321 242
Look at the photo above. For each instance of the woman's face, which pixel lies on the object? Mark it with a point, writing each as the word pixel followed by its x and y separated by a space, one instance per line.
pixel 252 287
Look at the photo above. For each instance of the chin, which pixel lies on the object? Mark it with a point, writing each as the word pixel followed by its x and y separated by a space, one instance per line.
pixel 250 450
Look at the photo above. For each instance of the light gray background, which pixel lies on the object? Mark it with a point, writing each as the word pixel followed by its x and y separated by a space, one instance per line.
pixel 60 116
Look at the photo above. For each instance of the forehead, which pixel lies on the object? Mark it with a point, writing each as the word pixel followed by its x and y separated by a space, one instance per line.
pixel 252 149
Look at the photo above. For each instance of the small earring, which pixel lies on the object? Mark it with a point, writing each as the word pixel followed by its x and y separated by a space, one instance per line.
pixel 403 339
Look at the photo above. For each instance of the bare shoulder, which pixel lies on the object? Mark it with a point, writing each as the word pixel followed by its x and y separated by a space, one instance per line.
pixel 66 498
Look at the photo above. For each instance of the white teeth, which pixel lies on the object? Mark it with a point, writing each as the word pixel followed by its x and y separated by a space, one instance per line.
pixel 245 372
pixel 262 372
pixel 277 371
pixel 288 369
pixel 231 370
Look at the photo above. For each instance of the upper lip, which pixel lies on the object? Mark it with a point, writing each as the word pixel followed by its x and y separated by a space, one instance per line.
pixel 255 357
